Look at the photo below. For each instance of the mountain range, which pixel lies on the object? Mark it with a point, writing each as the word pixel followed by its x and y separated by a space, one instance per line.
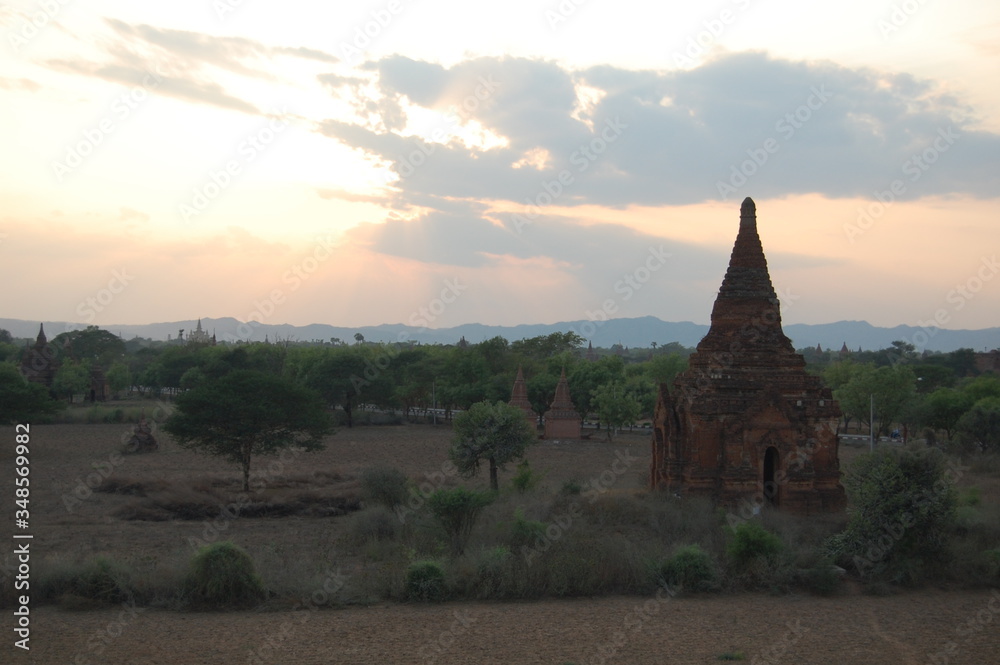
pixel 631 332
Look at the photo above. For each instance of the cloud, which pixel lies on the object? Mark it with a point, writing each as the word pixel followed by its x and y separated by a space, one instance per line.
pixel 745 122
pixel 19 84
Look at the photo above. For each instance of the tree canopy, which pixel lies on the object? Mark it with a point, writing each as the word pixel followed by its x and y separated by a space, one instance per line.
pixel 248 413
pixel 494 432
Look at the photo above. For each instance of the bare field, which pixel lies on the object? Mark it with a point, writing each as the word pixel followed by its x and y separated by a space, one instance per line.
pixel 71 524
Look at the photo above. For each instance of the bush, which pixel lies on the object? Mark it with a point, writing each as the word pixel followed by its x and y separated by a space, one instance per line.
pixel 903 505
pixel 751 542
pixel 374 524
pixel 222 575
pixel 571 487
pixel 384 485
pixel 525 532
pixel 101 580
pixel 525 478
pixel 690 568
pixel 457 510
pixel 425 581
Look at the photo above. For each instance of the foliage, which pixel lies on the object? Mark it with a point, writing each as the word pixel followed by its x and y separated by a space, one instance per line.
pixel 495 432
pixel 71 379
pixel 690 568
pixel 751 542
pixel 456 510
pixel 118 376
pixel 525 478
pixel 384 485
pixel 890 389
pixel 525 532
pixel 981 424
pixel 425 581
pixel 222 575
pixel 101 579
pixel 903 503
pixel 22 401
pixel 90 344
pixel 615 406
pixel 248 413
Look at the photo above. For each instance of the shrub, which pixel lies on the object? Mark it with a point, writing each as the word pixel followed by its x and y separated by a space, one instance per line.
pixel 903 506
pixel 384 485
pixel 690 568
pixel 822 579
pixel 374 524
pixel 525 478
pixel 222 575
pixel 525 532
pixel 751 542
pixel 101 580
pixel 456 510
pixel 425 581
pixel 571 487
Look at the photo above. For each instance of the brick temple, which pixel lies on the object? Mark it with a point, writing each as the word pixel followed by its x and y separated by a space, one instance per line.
pixel 519 398
pixel 562 420
pixel 745 423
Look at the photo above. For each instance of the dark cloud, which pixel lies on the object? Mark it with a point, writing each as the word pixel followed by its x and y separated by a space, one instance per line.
pixel 756 124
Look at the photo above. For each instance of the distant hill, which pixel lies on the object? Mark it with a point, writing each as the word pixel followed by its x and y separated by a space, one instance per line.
pixel 633 333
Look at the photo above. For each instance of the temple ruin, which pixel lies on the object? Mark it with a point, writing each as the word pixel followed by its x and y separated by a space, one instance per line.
pixel 519 398
pixel 745 424
pixel 562 420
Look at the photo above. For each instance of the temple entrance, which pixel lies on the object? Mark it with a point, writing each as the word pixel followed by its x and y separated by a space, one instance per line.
pixel 770 468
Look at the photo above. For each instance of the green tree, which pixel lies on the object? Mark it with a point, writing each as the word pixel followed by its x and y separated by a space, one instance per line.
pixel 981 423
pixel 665 367
pixel 889 388
pixel 71 378
pixel 615 406
pixel 943 408
pixel 457 510
pixel 248 413
pixel 339 377
pixel 493 432
pixel 118 377
pixel 20 400
pixel 91 344
pixel 902 505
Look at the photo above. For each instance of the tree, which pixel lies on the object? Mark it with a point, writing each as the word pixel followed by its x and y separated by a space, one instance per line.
pixel 615 406
pixel 903 504
pixel 20 400
pixel 359 338
pixel 889 388
pixel 70 379
pixel 118 377
pixel 339 377
pixel 943 408
pixel 247 413
pixel 495 432
pixel 456 510
pixel 982 423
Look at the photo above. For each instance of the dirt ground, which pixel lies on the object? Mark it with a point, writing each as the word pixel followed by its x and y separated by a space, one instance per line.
pixel 928 626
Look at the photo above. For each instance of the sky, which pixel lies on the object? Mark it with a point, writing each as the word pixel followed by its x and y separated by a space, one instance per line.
pixel 439 163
